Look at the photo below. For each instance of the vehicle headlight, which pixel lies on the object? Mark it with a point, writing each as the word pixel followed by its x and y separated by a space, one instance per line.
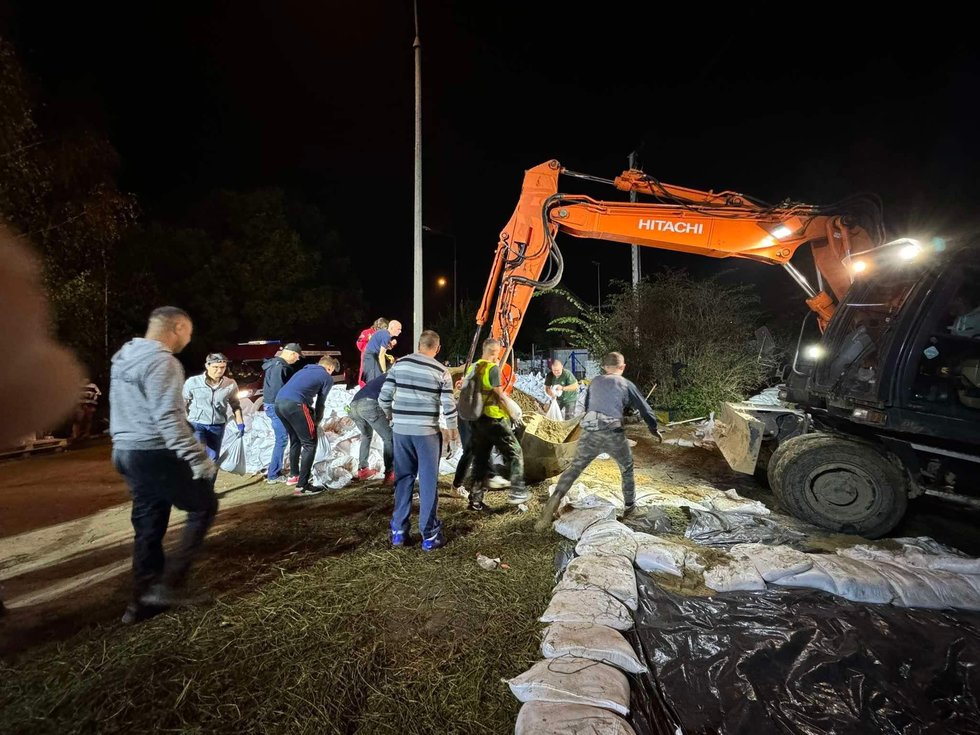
pixel 814 352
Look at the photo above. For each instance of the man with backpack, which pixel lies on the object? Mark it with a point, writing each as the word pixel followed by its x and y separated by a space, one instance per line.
pixel 483 401
pixel 607 397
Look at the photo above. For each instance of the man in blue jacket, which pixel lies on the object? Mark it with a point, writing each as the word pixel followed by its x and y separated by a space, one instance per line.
pixel 294 404
pixel 278 370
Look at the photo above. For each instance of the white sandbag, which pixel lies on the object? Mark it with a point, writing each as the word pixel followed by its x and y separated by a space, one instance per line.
pixel 584 496
pixel 774 562
pixel 813 578
pixel 928 588
pixel 611 574
pixel 554 412
pixel 595 642
pixel 572 524
pixel 232 457
pixel 587 606
pixel 855 580
pixel 574 680
pixel 657 498
pixel 551 718
pixel 732 501
pixel 656 554
pixel 917 553
pixel 737 574
pixel 607 537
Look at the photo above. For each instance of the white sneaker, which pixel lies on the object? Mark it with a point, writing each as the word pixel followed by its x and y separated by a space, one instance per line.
pixel 462 492
pixel 497 482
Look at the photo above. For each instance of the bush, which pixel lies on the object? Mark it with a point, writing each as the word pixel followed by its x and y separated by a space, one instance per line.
pixel 693 338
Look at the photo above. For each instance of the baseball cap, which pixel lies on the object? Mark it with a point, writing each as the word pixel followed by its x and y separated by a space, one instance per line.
pixel 293 347
pixel 215 357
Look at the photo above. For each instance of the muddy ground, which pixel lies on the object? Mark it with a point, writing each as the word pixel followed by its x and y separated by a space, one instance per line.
pixel 65 538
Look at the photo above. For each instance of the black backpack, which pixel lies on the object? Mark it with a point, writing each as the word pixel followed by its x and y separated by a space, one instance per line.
pixel 470 402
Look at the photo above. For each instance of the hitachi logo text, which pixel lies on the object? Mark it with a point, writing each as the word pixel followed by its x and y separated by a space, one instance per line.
pixel 662 225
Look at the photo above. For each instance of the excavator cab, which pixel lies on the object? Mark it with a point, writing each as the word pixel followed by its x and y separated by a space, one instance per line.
pixel 892 392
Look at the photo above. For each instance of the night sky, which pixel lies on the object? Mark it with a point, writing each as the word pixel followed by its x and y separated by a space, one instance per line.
pixel 317 97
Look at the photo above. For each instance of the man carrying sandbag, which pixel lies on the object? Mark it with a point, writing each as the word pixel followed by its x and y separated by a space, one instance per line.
pixel 607 397
pixel 494 429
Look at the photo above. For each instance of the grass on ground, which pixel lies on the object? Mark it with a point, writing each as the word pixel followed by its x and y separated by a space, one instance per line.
pixel 368 640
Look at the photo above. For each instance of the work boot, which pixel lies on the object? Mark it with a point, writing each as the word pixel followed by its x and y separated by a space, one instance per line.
pixel 548 513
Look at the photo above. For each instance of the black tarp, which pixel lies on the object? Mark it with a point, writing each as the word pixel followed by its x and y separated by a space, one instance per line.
pixel 801 661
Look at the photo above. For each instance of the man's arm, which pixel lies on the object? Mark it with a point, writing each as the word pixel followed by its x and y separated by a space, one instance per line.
pixel 321 399
pixel 236 405
pixel 448 404
pixel 640 404
pixel 387 393
pixel 168 411
pixel 382 359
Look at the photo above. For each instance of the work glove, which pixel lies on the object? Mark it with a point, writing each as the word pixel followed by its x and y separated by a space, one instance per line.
pixel 204 469
pixel 241 429
pixel 658 436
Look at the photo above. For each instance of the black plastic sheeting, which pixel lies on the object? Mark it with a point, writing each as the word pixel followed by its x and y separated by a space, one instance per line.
pixel 801 661
pixel 712 528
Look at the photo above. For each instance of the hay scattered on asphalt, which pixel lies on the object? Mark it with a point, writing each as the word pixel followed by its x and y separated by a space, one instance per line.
pixel 371 640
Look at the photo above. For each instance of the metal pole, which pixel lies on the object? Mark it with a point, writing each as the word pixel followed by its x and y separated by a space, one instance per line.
pixel 417 290
pixel 455 303
pixel 635 248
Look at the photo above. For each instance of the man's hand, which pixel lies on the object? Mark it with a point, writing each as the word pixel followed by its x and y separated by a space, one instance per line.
pixel 241 429
pixel 204 469
pixel 454 435
pixel 658 436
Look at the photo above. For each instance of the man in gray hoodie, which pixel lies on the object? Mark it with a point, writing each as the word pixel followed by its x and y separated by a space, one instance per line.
pixel 156 452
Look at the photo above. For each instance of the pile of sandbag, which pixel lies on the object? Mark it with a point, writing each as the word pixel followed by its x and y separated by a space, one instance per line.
pixel 581 684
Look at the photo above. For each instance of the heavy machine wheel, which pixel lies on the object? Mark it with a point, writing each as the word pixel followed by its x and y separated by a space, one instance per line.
pixel 838 483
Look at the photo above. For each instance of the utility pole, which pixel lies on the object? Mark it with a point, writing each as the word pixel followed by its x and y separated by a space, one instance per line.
pixel 598 284
pixel 417 281
pixel 635 248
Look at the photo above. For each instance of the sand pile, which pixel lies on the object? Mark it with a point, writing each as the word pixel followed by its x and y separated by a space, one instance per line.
pixel 528 403
pixel 555 432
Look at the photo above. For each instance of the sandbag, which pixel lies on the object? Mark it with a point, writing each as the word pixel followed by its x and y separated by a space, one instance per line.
pixel 775 562
pixel 611 574
pixel 232 457
pixel 918 552
pixel 929 588
pixel 550 718
pixel 587 606
pixel 574 680
pixel 595 642
pixel 855 580
pixel 738 574
pixel 583 496
pixel 572 524
pixel 554 412
pixel 607 537
pixel 655 554
pixel 731 501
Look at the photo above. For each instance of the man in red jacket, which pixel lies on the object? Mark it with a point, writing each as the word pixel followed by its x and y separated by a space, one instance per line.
pixel 363 339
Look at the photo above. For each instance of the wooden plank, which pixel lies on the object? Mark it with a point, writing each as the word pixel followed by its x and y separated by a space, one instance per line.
pixel 739 437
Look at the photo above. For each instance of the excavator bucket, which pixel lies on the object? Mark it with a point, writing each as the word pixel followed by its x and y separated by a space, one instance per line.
pixel 739 437
pixel 544 457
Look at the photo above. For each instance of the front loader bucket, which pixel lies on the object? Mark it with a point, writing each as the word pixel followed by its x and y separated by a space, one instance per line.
pixel 739 437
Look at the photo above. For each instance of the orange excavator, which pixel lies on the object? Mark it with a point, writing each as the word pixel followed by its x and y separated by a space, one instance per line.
pixel 717 225
pixel 886 407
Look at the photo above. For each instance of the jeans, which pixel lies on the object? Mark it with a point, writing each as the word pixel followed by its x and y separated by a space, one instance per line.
pixel 591 445
pixel 159 480
pixel 279 448
pixel 210 435
pixel 369 417
pixel 417 456
pixel 487 434
pixel 298 420
pixel 567 411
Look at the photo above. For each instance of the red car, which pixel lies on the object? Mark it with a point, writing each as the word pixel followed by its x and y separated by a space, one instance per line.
pixel 245 363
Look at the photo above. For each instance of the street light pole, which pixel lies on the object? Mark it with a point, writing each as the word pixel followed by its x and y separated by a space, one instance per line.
pixel 455 303
pixel 598 284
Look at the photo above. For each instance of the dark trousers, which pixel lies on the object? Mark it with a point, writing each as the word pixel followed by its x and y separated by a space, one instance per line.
pixel 279 448
pixel 466 439
pixel 369 417
pixel 298 420
pixel 590 446
pixel 159 480
pixel 210 435
pixel 417 456
pixel 487 434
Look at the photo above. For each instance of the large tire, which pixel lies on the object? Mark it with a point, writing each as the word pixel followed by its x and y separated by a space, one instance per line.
pixel 838 483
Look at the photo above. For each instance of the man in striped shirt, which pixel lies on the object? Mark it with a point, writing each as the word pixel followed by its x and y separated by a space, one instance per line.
pixel 416 388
